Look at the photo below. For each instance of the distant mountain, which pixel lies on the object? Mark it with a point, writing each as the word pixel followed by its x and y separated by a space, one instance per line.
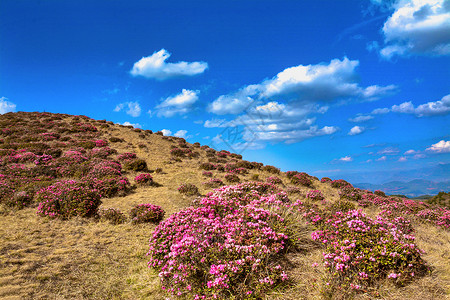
pixel 413 188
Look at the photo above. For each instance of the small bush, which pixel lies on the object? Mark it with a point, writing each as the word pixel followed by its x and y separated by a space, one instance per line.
pixel 213 183
pixel 114 216
pixel 274 180
pixel 86 144
pixel 290 174
pixel 380 193
pixel 145 213
pixel 315 195
pixel 100 143
pixel 188 189
pixel 137 165
pixel 114 139
pixel 207 166
pixel 126 156
pixel 325 180
pixel 66 199
pixel 271 169
pixel 340 183
pixel 144 179
pixel 255 177
pixel 342 206
pixel 232 178
pixel 301 179
pixel 207 173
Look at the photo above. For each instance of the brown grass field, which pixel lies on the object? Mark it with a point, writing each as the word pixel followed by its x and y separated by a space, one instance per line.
pixel 82 258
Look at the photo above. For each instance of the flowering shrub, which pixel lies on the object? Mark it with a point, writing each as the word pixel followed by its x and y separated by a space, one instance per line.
pixel 180 152
pixel 340 183
pixel 325 180
pixel 144 179
pixel 379 193
pixel 271 169
pixel 114 216
pixel 19 200
pixel 144 213
pixel 301 179
pixel 361 251
pixel 126 156
pixel 102 152
pixel 315 195
pixel 232 178
pixel 136 164
pixel 66 199
pixel 350 193
pixel 227 247
pixel 110 186
pixel 290 174
pixel 213 183
pixel 207 173
pixel 274 180
pixel 43 159
pixel 100 143
pixel 188 189
pixel 207 166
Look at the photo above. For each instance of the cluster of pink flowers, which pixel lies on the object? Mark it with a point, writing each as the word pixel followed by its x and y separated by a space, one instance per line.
pixel 146 212
pixel 100 143
pixel 222 247
pixel 315 195
pixel 207 173
pixel 126 156
pixel 66 199
pixel 302 179
pixel 274 180
pixel 144 178
pixel 361 251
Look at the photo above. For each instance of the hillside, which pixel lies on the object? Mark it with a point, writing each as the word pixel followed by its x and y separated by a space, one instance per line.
pixel 413 188
pixel 71 227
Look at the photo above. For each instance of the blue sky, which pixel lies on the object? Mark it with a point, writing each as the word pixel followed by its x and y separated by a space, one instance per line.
pixel 358 90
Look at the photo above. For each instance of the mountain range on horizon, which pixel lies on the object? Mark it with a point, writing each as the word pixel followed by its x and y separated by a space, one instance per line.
pixel 413 188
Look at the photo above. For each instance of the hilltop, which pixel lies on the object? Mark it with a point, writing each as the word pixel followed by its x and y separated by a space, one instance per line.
pixel 73 223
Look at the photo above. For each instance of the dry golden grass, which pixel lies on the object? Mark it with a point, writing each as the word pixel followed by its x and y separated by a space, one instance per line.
pixel 89 259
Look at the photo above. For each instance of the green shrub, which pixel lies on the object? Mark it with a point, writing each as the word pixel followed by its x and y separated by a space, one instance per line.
pixel 188 189
pixel 137 165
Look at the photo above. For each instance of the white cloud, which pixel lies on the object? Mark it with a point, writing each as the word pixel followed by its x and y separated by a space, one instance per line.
pixel 346 158
pixel 440 107
pixel 440 147
pixel 135 125
pixel 179 104
pixel 166 132
pixel 401 159
pixel 388 151
pixel 289 136
pixel 380 111
pixel 323 82
pixel 361 118
pixel 155 66
pixel 409 152
pixel 383 158
pixel 419 156
pixel 6 106
pixel 404 108
pixel 356 130
pixel 133 108
pixel 417 27
pixel 215 123
pixel 181 133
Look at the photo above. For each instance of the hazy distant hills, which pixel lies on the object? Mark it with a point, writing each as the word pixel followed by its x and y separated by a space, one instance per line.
pixel 413 188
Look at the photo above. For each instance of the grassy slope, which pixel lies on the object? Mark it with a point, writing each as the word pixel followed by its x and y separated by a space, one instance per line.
pixel 79 258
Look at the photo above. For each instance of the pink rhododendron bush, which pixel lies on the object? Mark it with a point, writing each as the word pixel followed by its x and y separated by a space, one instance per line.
pixel 361 251
pixel 66 199
pixel 228 245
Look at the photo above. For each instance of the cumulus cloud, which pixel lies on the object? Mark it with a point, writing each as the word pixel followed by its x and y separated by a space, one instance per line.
pixel 135 125
pixel 401 159
pixel 179 104
pixel 440 147
pixel 440 107
pixel 356 130
pixel 389 151
pixel 155 66
pixel 323 82
pixel 417 27
pixel 409 152
pixel 383 158
pixel 429 109
pixel 181 133
pixel 166 132
pixel 6 106
pixel 346 158
pixel 132 108
pixel 361 118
